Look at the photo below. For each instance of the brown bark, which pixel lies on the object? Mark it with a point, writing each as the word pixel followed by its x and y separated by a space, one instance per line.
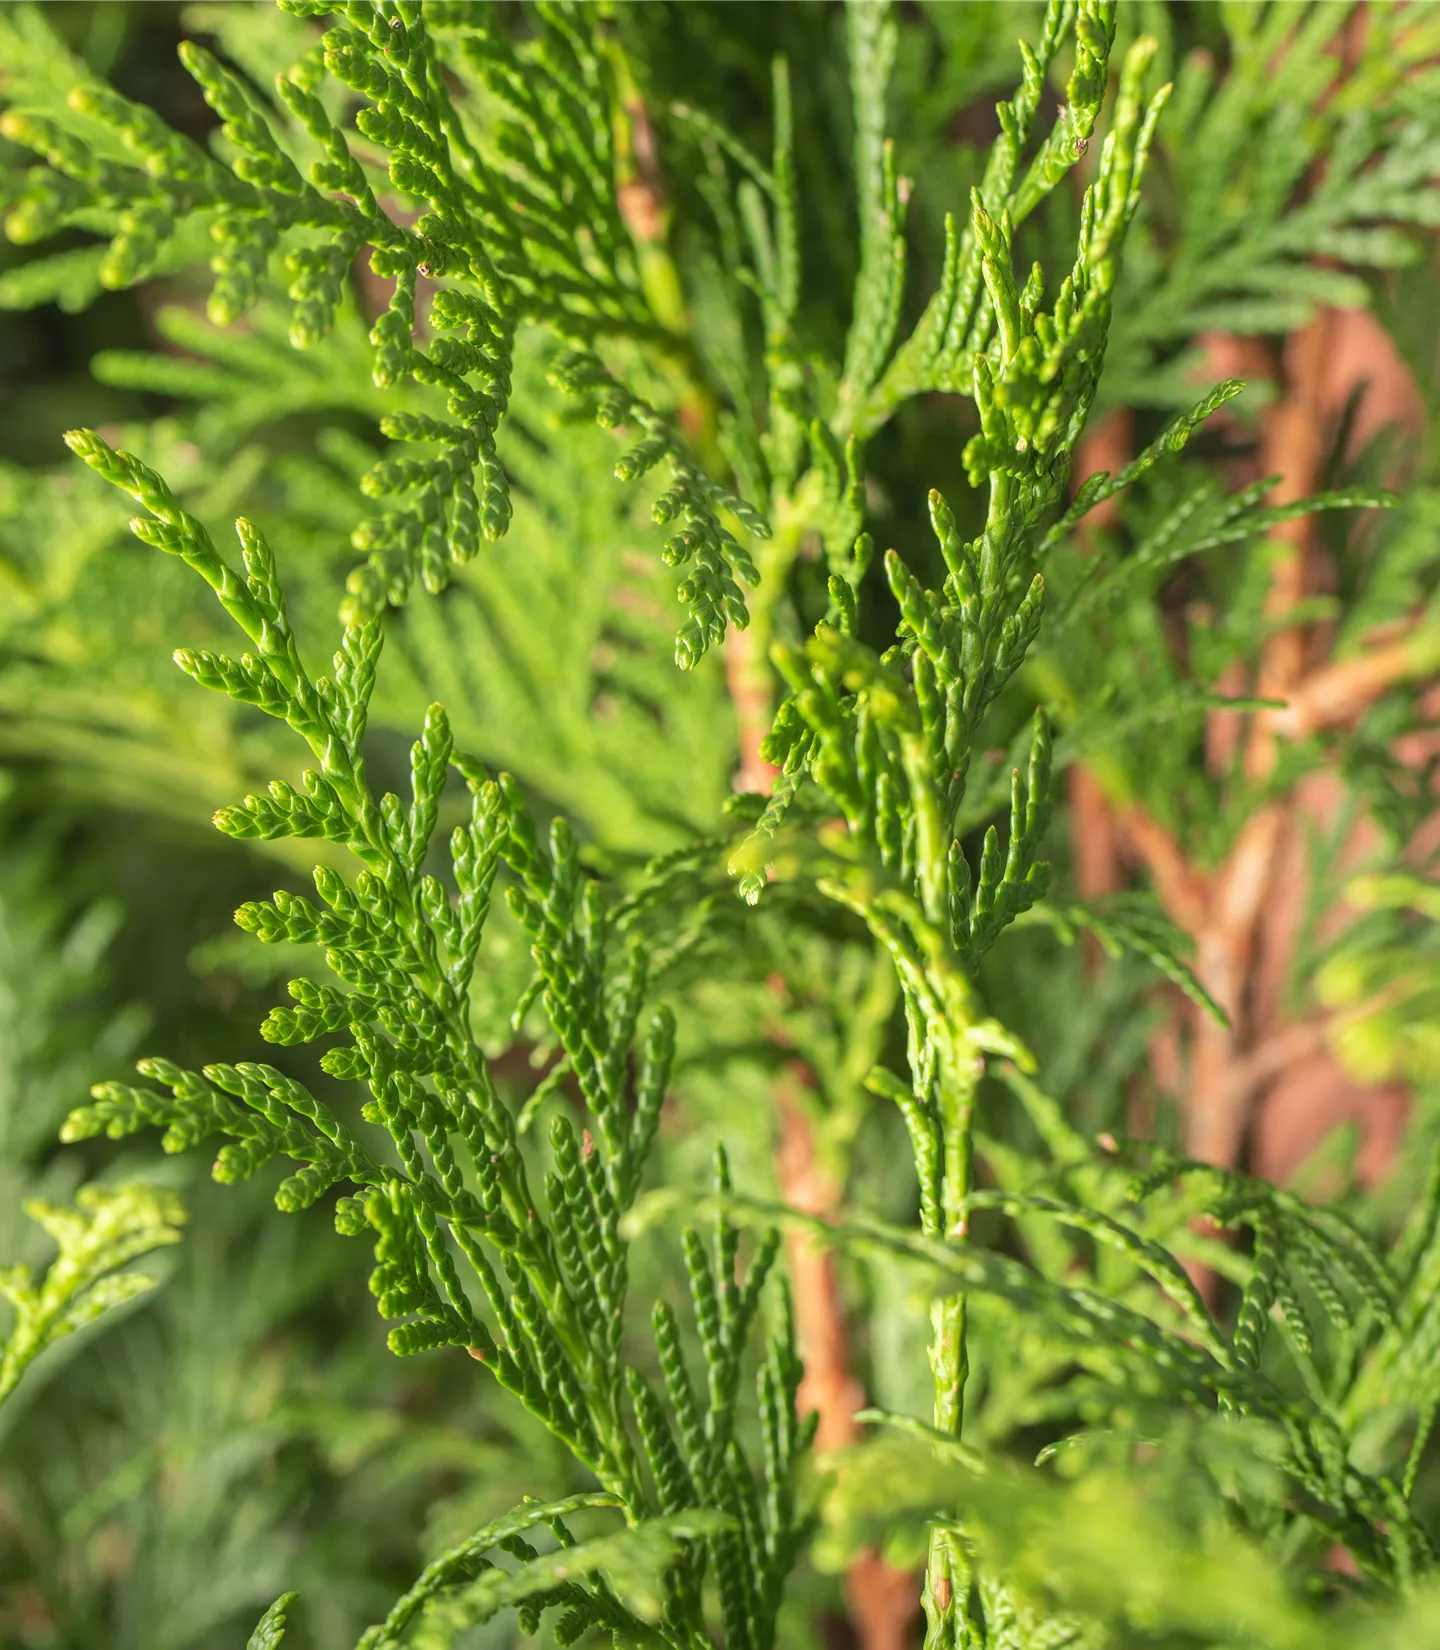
pixel 1231 901
pixel 1094 829
pixel 1265 1073
pixel 827 1387
pixel 1313 1097
pixel 1106 446
pixel 883 1601
pixel 1225 729
pixel 1361 354
pixel 1336 694
pixel 1095 835
pixel 748 681
pixel 1180 887
pixel 1292 451
pixel 1214 1121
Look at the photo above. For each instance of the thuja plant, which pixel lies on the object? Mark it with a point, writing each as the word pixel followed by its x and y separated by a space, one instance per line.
pixel 551 1272
pixel 498 175
pixel 97 1238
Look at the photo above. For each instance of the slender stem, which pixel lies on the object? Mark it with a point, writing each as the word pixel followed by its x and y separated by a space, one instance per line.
pixel 946 1570
pixel 932 839
pixel 947 1576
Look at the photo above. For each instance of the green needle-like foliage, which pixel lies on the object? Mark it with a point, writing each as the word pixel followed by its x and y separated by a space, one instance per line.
pixel 97 1239
pixel 451 1184
pixel 487 184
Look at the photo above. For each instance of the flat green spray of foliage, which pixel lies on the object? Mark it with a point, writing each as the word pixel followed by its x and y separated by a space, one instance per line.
pixel 492 170
pixel 97 1238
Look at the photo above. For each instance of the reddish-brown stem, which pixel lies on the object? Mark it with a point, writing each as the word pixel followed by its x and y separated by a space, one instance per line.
pixel 1337 693
pixel 1243 916
pixel 1106 446
pixel 1291 451
pixel 1094 829
pixel 1180 887
pixel 883 1601
pixel 748 680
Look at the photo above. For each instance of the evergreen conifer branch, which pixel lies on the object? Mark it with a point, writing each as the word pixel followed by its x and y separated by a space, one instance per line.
pixel 712 591
pixel 261 198
pixel 888 737
pixel 1325 1262
pixel 958 323
pixel 403 950
pixel 1279 213
pixel 270 1629
pixel 98 1238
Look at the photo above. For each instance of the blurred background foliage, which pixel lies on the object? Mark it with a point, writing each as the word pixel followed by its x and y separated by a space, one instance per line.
pixel 243 1422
